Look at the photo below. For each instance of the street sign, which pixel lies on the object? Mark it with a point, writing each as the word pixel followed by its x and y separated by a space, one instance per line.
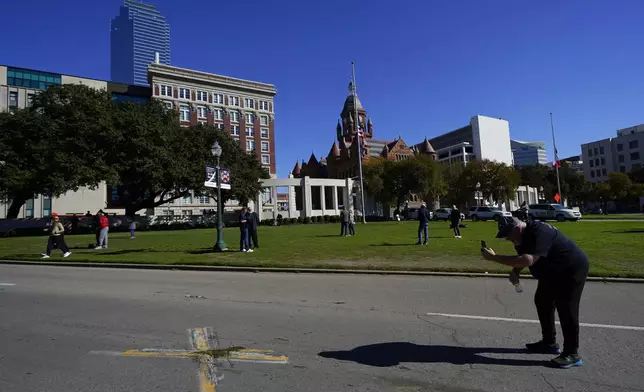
pixel 211 177
pixel 557 198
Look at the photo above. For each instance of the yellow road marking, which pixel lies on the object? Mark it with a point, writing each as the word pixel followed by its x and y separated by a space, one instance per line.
pixel 252 355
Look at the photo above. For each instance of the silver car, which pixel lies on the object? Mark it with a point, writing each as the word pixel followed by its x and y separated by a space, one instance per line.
pixel 552 212
pixel 485 213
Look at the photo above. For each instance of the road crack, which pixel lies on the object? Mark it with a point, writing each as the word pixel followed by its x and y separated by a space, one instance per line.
pixel 548 382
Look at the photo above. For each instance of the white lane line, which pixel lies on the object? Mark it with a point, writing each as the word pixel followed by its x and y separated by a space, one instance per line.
pixel 7 284
pixel 526 321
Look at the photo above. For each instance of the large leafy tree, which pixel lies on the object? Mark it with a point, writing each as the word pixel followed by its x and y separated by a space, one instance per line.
pixel 53 146
pixel 157 161
pixel 426 178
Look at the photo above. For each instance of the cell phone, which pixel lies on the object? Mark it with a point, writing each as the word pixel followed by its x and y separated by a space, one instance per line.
pixel 483 245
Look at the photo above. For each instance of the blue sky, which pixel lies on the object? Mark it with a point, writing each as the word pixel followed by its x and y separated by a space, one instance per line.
pixel 423 67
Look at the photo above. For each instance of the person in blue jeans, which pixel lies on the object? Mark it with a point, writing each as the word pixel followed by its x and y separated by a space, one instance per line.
pixel 244 245
pixel 423 223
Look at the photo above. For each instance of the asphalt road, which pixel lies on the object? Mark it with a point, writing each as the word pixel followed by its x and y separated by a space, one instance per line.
pixel 60 329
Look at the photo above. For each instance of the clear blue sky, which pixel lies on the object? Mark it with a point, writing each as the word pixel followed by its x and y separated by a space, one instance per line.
pixel 424 67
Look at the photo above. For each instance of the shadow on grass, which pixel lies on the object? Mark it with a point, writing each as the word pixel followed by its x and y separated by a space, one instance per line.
pixel 628 231
pixel 394 353
pixel 124 251
pixel 326 236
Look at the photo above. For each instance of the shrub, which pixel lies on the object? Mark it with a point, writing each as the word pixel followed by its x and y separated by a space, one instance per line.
pixel 326 218
pixel 300 219
pixel 293 221
pixel 285 222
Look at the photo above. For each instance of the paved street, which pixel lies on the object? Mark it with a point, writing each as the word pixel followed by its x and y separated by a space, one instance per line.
pixel 66 329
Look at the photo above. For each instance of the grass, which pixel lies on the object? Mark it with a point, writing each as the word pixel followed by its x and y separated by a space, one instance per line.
pixel 615 249
pixel 615 216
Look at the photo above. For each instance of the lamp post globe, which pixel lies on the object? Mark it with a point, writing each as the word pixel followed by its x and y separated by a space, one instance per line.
pixel 220 246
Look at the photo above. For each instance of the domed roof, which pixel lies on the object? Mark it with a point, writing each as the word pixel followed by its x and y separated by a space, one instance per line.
pixel 349 104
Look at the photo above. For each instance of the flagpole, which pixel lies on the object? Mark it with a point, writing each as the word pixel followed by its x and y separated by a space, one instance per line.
pixel 554 144
pixel 359 146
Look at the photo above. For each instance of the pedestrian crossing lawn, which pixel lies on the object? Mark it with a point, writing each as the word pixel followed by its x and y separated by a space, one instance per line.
pixel 615 248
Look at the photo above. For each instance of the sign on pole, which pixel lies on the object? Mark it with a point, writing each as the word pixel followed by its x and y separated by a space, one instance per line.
pixel 557 198
pixel 211 177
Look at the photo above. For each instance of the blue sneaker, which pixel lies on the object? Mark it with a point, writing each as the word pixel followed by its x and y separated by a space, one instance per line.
pixel 542 347
pixel 566 361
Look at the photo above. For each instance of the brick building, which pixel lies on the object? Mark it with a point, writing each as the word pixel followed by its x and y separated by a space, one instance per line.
pixel 342 159
pixel 241 108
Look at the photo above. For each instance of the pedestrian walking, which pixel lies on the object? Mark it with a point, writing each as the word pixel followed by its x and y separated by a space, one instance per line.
pixel 455 217
pixel 561 268
pixel 244 246
pixel 75 222
pixel 132 226
pixel 423 224
pixel 103 230
pixel 344 223
pixel 352 222
pixel 56 238
pixel 253 224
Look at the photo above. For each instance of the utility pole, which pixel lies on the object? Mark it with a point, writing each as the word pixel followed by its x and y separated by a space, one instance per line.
pixel 358 136
pixel 554 144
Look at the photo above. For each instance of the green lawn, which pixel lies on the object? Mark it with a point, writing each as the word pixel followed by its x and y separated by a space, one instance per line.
pixel 615 216
pixel 615 248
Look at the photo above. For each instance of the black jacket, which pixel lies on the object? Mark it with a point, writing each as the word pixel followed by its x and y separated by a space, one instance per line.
pixel 253 221
pixel 423 216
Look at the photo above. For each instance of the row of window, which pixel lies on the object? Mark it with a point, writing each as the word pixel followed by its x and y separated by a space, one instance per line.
pixel 13 99
pixel 598 172
pixel 620 147
pixel 217 98
pixel 635 156
pixel 31 79
pixel 218 114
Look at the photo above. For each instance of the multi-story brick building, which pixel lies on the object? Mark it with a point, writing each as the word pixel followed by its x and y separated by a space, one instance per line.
pixel 241 108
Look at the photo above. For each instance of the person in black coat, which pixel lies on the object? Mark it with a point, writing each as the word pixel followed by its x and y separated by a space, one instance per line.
pixel 455 218
pixel 244 246
pixel 253 223
pixel 423 224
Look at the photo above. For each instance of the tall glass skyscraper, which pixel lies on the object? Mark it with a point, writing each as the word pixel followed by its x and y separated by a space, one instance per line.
pixel 137 33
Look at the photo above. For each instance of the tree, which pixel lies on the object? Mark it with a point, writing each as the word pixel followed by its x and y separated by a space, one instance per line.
pixel 426 178
pixel 157 161
pixel 53 147
pixel 458 191
pixel 373 173
pixel 498 181
pixel 619 185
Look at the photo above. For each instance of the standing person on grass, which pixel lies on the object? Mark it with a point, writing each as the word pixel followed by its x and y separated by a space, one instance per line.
pixel 344 222
pixel 132 226
pixel 104 228
pixel 455 217
pixel 253 223
pixel 423 224
pixel 244 246
pixel 561 268
pixel 56 237
pixel 352 222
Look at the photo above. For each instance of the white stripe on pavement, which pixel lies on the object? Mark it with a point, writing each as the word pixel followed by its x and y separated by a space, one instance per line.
pixel 7 284
pixel 526 321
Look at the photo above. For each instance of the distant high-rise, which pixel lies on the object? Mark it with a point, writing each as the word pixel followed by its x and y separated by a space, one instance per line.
pixel 137 33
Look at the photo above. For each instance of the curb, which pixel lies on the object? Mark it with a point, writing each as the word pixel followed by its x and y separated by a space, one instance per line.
pixel 183 267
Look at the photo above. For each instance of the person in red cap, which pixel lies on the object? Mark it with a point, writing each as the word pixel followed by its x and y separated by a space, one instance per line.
pixel 104 228
pixel 56 237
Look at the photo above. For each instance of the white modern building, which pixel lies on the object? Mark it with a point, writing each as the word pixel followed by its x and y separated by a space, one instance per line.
pixel 484 138
pixel 528 153
pixel 623 153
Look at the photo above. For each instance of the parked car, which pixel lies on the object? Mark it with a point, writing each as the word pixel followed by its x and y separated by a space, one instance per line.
pixel 553 212
pixel 485 213
pixel 444 214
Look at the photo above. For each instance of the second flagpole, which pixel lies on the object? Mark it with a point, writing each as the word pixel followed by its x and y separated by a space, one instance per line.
pixel 359 146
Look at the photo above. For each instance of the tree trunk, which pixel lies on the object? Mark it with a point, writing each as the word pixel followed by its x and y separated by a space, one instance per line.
pixel 14 208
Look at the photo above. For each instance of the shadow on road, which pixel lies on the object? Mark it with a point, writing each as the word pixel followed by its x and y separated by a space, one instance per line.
pixel 394 353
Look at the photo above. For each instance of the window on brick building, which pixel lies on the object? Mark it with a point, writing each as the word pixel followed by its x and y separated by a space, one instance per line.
pixel 218 114
pixel 234 130
pixel 635 156
pixel 266 159
pixel 592 174
pixel 30 99
pixel 202 96
pixel 263 120
pixel 250 145
pixel 266 147
pixel 590 152
pixel 601 150
pixel 219 126
pixel 250 131
pixel 263 105
pixel 184 93
pixel 218 98
pixel 249 103
pixel 264 133
pixel 250 118
pixel 165 90
pixel 633 144
pixel 592 163
pixel 603 161
pixel 184 113
pixel 202 112
pixel 620 147
pixel 234 116
pixel 169 105
pixel 233 101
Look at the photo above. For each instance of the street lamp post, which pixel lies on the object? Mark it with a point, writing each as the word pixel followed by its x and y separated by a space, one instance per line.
pixel 220 245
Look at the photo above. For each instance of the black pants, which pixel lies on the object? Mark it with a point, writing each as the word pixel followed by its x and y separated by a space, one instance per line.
pixel 457 230
pixel 253 237
pixel 344 228
pixel 563 295
pixel 98 236
pixel 59 241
